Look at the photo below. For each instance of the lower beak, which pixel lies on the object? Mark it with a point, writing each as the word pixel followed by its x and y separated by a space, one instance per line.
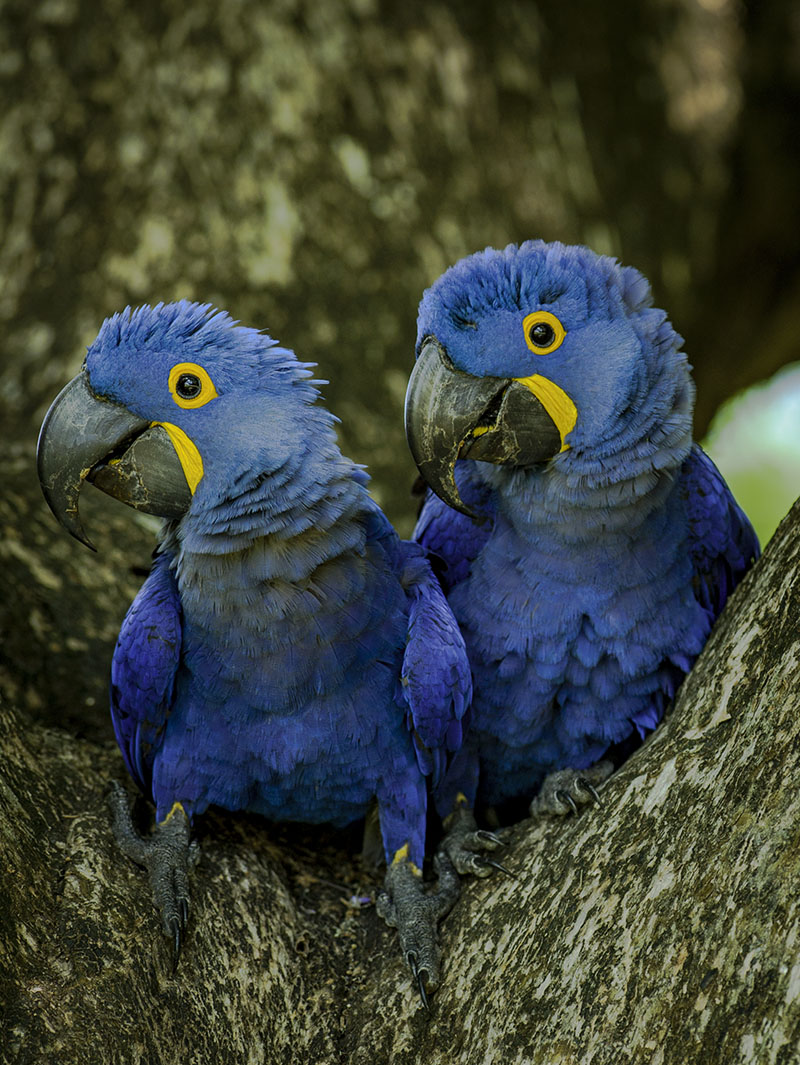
pixel 84 437
pixel 452 415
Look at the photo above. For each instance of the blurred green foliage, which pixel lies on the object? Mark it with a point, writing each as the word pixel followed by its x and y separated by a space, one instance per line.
pixel 755 441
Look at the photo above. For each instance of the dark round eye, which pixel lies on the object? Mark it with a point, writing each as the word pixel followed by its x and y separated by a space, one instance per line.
pixel 188 386
pixel 542 334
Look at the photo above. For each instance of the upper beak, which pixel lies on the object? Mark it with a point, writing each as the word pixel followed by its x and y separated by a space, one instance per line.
pixel 84 437
pixel 451 415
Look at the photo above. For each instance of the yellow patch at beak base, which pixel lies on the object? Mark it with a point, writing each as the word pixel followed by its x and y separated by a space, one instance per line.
pixel 555 401
pixel 187 453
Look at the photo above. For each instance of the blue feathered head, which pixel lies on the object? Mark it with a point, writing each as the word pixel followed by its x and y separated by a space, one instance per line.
pixel 135 353
pixel 178 403
pixel 535 354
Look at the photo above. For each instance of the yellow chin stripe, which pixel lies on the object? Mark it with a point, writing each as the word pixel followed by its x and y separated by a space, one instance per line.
pixel 555 401
pixel 186 451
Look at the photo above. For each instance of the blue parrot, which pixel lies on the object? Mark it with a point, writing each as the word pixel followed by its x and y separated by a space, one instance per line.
pixel 586 544
pixel 288 654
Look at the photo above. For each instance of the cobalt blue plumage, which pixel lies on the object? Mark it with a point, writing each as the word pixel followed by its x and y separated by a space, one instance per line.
pixel 288 654
pixel 586 581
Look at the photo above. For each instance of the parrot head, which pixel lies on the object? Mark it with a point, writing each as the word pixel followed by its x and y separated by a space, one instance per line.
pixel 535 352
pixel 173 402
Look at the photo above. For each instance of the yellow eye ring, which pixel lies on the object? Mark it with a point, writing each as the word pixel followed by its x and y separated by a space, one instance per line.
pixel 190 385
pixel 543 332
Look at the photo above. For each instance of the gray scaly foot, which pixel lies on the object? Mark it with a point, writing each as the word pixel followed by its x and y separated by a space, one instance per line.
pixel 566 790
pixel 167 855
pixel 464 843
pixel 405 905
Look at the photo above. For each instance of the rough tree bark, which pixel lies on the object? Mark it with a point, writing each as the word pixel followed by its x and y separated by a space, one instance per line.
pixel 663 928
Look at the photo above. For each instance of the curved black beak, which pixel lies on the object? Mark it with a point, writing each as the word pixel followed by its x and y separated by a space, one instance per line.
pixel 84 437
pixel 452 415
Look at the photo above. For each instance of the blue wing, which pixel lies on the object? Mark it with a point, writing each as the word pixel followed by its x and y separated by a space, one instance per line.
pixel 722 542
pixel 143 671
pixel 435 684
pixel 436 681
pixel 451 539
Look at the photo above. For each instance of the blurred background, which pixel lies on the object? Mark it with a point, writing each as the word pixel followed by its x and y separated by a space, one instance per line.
pixel 312 165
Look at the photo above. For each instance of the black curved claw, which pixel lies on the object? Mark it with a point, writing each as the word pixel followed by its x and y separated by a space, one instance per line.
pixel 482 860
pixel 177 939
pixel 565 798
pixel 490 837
pixel 416 972
pixel 184 912
pixel 586 785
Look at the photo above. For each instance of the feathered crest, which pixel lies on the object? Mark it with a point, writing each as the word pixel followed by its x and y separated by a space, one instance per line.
pixel 537 273
pixel 197 328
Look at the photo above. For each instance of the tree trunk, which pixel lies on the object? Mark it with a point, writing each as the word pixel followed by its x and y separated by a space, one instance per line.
pixel 661 928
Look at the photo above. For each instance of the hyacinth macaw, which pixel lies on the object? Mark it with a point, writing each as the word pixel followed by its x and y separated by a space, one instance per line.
pixel 586 543
pixel 288 653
